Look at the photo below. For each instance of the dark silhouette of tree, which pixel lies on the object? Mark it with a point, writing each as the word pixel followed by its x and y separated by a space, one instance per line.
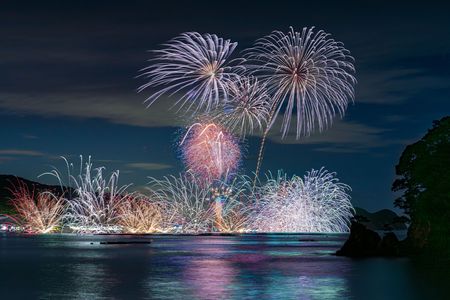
pixel 423 177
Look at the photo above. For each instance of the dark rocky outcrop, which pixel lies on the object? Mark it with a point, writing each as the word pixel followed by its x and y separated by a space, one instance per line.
pixel 364 242
pixel 390 245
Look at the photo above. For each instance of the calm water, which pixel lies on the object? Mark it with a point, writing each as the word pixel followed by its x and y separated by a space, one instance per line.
pixel 199 267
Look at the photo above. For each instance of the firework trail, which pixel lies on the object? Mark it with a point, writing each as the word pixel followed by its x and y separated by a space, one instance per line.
pixel 93 207
pixel 316 203
pixel 210 152
pixel 248 107
pixel 194 65
pixel 307 71
pixel 38 213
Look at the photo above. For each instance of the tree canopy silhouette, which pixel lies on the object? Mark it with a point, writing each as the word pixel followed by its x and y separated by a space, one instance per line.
pixel 423 177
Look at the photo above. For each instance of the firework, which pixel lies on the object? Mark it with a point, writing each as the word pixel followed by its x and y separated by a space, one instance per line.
pixel 316 203
pixel 94 200
pixel 138 214
pixel 38 213
pixel 210 152
pixel 232 205
pixel 248 107
pixel 307 71
pixel 187 204
pixel 235 217
pixel 191 207
pixel 195 65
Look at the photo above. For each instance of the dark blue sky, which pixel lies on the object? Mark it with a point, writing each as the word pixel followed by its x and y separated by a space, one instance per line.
pixel 68 86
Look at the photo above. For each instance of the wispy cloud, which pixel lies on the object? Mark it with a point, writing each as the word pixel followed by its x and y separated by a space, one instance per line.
pixel 149 166
pixel 30 136
pixel 395 85
pixel 125 109
pixel 20 152
pixel 341 137
pixel 4 159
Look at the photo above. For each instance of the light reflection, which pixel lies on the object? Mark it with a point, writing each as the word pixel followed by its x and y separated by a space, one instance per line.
pixel 217 267
pixel 212 274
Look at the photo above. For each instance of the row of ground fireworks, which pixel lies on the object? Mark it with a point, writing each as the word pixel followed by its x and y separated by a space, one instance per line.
pixel 307 75
pixel 318 202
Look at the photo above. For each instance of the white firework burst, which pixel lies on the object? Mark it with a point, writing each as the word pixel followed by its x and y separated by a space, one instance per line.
pixel 197 66
pixel 93 202
pixel 248 107
pixel 192 207
pixel 187 203
pixel 318 202
pixel 307 73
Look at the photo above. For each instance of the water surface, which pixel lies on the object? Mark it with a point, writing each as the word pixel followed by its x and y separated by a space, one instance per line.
pixel 297 266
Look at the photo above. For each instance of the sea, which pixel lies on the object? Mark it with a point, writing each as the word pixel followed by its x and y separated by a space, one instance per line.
pixel 247 266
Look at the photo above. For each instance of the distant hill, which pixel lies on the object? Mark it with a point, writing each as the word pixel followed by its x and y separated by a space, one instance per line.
pixel 7 182
pixel 377 220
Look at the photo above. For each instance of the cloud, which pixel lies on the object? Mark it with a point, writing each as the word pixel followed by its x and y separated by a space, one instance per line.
pixel 125 109
pixel 20 152
pixel 149 166
pixel 395 118
pixel 129 110
pixel 341 137
pixel 4 159
pixel 395 85
pixel 30 136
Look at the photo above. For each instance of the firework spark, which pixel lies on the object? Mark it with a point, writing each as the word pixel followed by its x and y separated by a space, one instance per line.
pixel 248 107
pixel 38 213
pixel 187 203
pixel 309 71
pixel 195 65
pixel 93 205
pixel 191 207
pixel 138 214
pixel 316 203
pixel 210 152
pixel 233 205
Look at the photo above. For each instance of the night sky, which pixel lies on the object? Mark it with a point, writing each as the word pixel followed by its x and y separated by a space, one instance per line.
pixel 68 85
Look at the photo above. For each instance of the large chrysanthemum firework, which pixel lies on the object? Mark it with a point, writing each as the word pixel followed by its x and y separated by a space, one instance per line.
pixel 248 107
pixel 210 152
pixel 316 203
pixel 307 71
pixel 194 65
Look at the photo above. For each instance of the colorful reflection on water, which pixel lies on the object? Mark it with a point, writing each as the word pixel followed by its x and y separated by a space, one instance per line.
pixel 197 267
